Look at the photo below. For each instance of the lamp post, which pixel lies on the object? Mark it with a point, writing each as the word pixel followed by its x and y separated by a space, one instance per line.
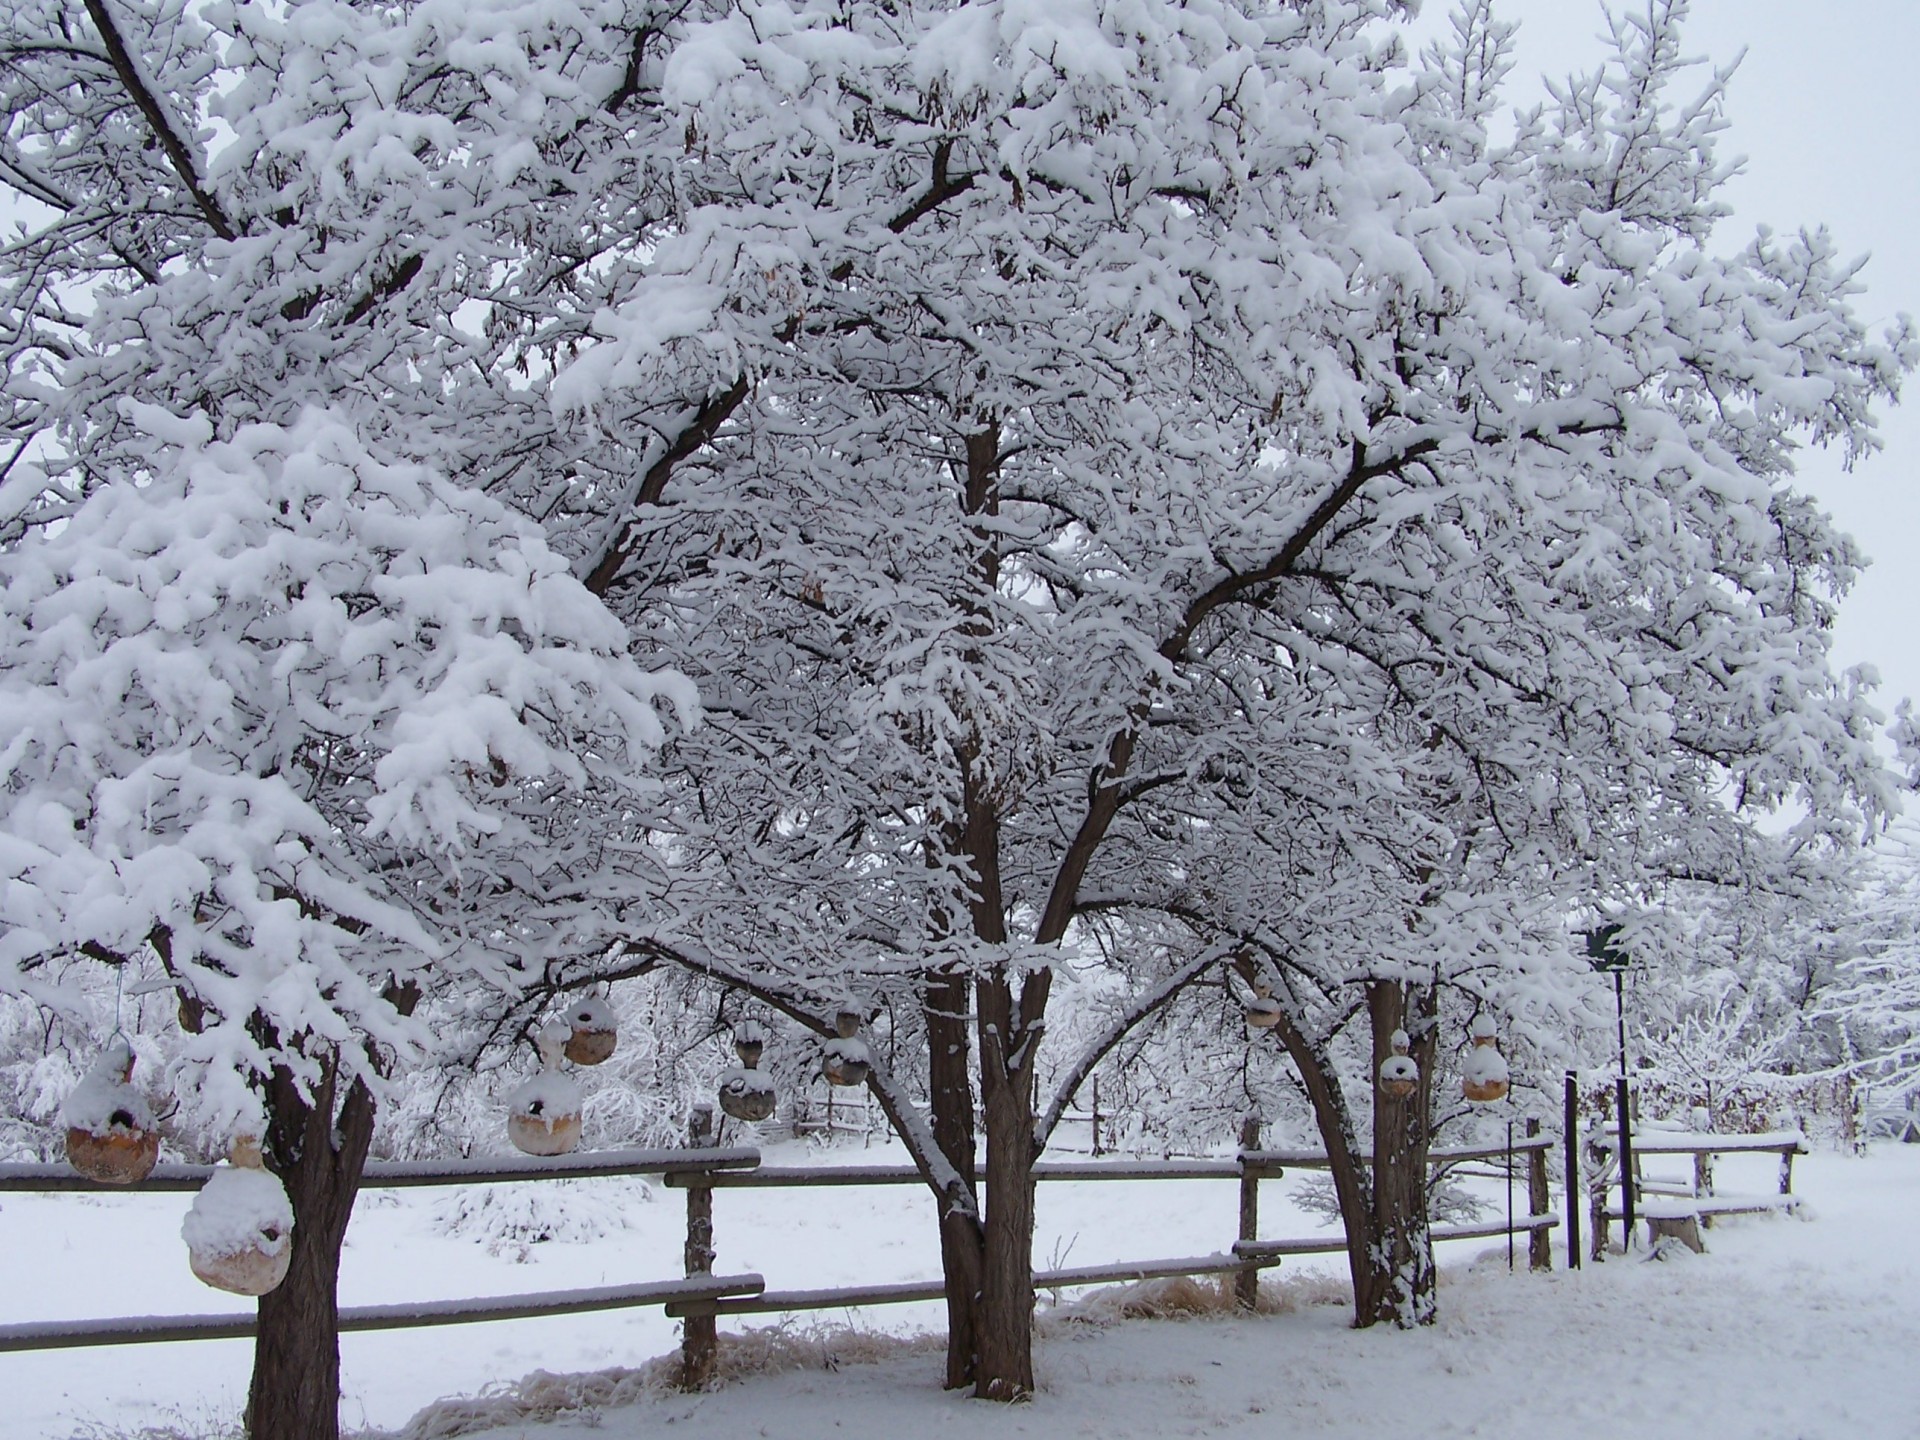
pixel 1609 958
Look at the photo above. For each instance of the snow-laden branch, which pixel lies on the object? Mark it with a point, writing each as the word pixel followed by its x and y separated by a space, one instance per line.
pixel 1122 1024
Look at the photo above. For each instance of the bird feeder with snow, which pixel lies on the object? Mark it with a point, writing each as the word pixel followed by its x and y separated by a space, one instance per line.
pixel 846 1057
pixel 1263 1011
pixel 239 1230
pixel 543 1115
pixel 1483 1074
pixel 745 1093
pixel 1399 1076
pixel 593 1034
pixel 111 1136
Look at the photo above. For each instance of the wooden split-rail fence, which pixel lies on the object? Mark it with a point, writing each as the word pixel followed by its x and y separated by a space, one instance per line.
pixel 698 1296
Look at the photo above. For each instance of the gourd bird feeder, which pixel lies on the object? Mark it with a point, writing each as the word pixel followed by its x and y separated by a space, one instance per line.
pixel 846 1058
pixel 239 1231
pixel 1483 1074
pixel 1399 1076
pixel 111 1136
pixel 543 1115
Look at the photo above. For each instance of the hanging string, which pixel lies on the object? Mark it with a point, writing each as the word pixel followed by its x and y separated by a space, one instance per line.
pixel 119 994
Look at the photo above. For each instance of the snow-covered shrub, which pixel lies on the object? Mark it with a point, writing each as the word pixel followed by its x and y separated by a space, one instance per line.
pixel 510 1219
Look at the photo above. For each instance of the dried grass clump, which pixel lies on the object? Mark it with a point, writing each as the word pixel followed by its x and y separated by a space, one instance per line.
pixel 1185 1297
pixel 543 1395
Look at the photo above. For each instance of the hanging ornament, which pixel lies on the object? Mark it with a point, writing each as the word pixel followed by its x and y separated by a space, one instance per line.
pixel 1483 1075
pixel 110 1128
pixel 1399 1076
pixel 745 1093
pixel 593 1034
pixel 239 1231
pixel 543 1115
pixel 1263 1011
pixel 847 1059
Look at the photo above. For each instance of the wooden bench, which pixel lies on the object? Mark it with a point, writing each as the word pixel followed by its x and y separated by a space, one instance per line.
pixel 1674 1208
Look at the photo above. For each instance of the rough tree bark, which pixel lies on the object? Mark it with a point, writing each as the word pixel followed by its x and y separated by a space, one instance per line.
pixel 1400 1279
pixel 1005 1314
pixel 319 1153
pixel 947 1009
pixel 318 1148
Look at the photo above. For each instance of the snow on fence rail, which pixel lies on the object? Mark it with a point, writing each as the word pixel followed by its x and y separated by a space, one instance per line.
pixel 700 1296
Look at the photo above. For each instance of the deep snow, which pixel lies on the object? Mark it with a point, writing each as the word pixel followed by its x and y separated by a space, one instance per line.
pixel 1786 1330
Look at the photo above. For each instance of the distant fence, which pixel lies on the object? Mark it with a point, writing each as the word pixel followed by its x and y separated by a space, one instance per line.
pixel 699 1296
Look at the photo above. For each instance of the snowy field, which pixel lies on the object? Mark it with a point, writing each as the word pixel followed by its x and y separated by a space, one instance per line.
pixel 1787 1330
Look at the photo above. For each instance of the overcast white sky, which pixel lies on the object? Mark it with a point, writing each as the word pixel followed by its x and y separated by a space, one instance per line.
pixel 1826 108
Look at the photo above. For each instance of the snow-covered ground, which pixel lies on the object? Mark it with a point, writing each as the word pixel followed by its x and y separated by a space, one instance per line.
pixel 1787 1330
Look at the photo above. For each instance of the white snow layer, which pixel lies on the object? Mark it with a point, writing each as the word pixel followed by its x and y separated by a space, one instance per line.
pixel 237 1210
pixel 1783 1331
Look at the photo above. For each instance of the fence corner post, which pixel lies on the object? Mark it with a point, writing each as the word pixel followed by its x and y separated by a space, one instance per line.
pixel 1539 1243
pixel 699 1333
pixel 1246 1284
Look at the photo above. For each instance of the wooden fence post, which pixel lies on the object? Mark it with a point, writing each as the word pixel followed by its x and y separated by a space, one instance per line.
pixel 699 1334
pixel 1786 1172
pixel 1246 1285
pixel 1539 1243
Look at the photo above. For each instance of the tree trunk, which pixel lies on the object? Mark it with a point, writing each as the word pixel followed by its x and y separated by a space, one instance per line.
pixel 1339 1136
pixel 319 1157
pixel 948 1010
pixel 1005 1317
pixel 1399 1286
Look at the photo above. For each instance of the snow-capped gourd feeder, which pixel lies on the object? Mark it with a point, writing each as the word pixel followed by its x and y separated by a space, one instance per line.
pixel 239 1230
pixel 1483 1074
pixel 1399 1076
pixel 543 1115
pixel 1263 1011
pixel 111 1135
pixel 846 1059
pixel 593 1034
pixel 745 1093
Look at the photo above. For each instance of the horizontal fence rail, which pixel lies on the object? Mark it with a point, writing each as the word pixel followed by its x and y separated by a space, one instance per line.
pixel 69 1334
pixel 404 1174
pixel 699 1296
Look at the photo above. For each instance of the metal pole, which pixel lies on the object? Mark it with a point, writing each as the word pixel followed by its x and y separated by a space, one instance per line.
pixel 1574 1187
pixel 1625 1112
pixel 1626 1161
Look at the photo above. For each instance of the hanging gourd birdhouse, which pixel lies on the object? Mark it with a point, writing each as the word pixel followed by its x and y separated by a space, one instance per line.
pixel 1263 1011
pixel 1483 1074
pixel 110 1128
pixel 593 1034
pixel 1399 1076
pixel 239 1231
pixel 543 1115
pixel 745 1093
pixel 846 1059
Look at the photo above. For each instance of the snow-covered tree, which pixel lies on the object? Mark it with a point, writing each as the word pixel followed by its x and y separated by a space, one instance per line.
pixel 1137 486
pixel 311 735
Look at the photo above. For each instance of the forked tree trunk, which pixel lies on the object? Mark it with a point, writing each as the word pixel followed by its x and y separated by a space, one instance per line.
pixel 319 1156
pixel 1400 1282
